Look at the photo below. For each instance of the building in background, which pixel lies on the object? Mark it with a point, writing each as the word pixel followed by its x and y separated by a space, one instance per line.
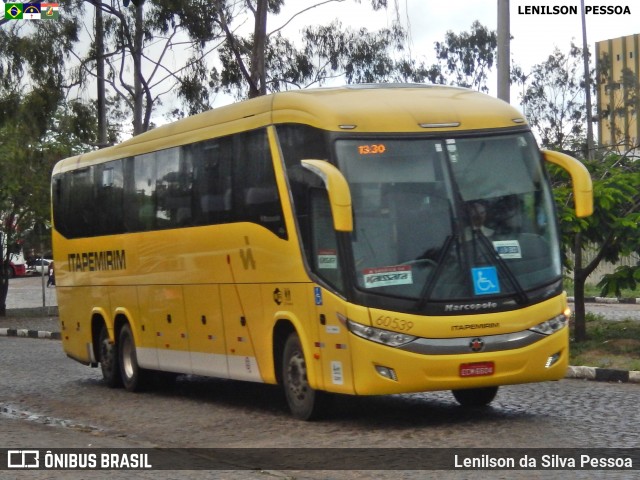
pixel 618 67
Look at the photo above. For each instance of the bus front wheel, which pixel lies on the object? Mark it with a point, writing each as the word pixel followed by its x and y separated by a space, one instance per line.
pixel 133 377
pixel 475 397
pixel 304 402
pixel 109 362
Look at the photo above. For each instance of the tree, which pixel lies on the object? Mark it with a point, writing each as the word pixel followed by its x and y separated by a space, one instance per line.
pixel 553 100
pixel 33 60
pixel 613 231
pixel 466 58
pixel 40 133
pixel 267 61
pixel 138 38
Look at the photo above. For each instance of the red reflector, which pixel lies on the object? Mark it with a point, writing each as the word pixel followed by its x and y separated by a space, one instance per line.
pixel 479 369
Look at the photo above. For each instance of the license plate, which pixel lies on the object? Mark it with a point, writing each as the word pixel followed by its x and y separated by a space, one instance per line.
pixel 479 369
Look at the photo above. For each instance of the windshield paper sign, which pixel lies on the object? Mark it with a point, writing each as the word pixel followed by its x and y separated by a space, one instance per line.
pixel 508 248
pixel 387 276
pixel 328 259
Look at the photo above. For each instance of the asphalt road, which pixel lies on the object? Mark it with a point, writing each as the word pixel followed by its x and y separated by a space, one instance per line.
pixel 64 404
pixel 48 400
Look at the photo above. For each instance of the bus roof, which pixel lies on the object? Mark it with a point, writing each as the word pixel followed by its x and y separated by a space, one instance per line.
pixel 375 108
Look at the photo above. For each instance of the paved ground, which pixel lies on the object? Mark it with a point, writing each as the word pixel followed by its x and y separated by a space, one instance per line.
pixel 30 292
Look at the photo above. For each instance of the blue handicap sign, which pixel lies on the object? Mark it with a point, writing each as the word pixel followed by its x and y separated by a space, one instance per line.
pixel 485 280
pixel 317 292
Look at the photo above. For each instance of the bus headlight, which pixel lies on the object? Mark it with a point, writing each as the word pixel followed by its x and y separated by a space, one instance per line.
pixel 378 335
pixel 552 325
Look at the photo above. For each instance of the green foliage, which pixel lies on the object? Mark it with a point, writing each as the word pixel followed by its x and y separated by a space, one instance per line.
pixel 625 277
pixel 553 99
pixel 37 126
pixel 614 227
pixel 468 57
pixel 612 232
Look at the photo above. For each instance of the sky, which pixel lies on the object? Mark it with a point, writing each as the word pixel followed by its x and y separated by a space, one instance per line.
pixel 534 35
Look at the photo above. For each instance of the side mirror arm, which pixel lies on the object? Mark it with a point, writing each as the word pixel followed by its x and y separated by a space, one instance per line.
pixel 338 190
pixel 580 178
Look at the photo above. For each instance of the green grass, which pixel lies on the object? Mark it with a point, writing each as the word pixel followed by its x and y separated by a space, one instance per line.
pixel 591 290
pixel 610 344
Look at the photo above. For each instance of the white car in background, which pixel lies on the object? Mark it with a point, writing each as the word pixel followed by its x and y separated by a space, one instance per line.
pixel 39 265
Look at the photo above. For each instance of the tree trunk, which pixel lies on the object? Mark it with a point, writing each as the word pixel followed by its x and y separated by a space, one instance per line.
pixel 4 290
pixel 4 275
pixel 579 280
pixel 257 85
pixel 137 70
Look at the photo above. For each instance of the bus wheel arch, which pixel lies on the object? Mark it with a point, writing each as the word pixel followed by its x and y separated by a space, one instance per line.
pixel 281 332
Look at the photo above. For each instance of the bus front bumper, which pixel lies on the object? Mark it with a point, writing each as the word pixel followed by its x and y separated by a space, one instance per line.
pixel 379 369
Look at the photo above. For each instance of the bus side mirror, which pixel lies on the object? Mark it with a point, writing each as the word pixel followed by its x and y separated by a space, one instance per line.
pixel 338 190
pixel 580 178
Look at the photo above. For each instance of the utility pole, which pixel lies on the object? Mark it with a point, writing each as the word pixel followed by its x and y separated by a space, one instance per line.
pixel 504 55
pixel 587 84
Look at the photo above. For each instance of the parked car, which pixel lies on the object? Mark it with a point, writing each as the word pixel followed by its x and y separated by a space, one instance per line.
pixel 39 265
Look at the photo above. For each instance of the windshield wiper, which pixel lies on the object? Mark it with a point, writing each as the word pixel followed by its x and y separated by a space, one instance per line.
pixel 427 290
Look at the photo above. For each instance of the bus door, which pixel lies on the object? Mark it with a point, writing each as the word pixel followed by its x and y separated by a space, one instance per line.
pixel 330 312
pixel 333 344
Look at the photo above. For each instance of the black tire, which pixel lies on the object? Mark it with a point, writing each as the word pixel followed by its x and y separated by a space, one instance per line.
pixel 133 377
pixel 304 402
pixel 109 361
pixel 475 397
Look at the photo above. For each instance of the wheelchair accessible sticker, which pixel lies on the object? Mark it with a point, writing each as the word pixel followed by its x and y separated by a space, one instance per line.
pixel 485 280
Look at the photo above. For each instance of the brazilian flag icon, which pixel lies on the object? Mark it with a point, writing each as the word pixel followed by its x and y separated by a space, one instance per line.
pixel 13 11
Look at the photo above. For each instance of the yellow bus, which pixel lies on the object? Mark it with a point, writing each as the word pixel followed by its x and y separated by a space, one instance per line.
pixel 362 240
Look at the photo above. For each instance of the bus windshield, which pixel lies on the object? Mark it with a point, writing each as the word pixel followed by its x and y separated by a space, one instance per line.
pixel 450 219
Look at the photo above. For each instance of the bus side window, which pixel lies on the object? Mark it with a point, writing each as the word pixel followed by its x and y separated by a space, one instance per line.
pixel 80 202
pixel 173 191
pixel 324 248
pixel 256 191
pixel 110 196
pixel 212 163
pixel 145 189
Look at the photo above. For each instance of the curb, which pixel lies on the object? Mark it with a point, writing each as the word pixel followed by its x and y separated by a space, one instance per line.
pixel 583 373
pixel 603 374
pixel 613 300
pixel 23 332
pixel 51 311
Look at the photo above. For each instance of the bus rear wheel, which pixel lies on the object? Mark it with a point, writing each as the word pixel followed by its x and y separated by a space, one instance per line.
pixel 304 402
pixel 133 377
pixel 475 397
pixel 109 362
